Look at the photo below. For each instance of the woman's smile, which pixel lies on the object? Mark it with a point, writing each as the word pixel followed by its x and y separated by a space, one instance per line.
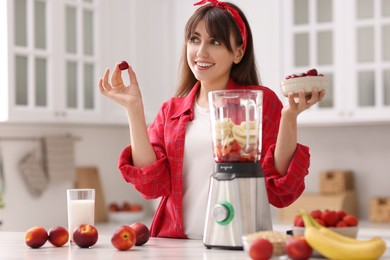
pixel 204 65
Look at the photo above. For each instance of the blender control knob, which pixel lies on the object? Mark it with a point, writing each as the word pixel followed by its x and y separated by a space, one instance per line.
pixel 223 213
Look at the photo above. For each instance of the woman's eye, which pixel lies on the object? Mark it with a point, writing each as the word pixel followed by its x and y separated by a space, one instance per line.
pixel 215 42
pixel 194 39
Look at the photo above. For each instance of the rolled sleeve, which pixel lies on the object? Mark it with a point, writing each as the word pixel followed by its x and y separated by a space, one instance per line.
pixel 151 181
pixel 284 190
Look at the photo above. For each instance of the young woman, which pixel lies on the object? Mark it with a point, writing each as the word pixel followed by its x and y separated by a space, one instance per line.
pixel 173 158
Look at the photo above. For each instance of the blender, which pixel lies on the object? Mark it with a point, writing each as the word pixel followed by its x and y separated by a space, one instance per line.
pixel 237 200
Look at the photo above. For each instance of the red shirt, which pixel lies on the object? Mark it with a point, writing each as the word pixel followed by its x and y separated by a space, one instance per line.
pixel 164 177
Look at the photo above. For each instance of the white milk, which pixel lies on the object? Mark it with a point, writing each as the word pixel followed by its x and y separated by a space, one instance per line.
pixel 80 212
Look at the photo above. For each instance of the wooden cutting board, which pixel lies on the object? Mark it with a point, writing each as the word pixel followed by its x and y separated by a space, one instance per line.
pixel 88 177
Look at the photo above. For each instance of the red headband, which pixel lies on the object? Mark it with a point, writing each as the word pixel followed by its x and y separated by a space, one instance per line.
pixel 234 13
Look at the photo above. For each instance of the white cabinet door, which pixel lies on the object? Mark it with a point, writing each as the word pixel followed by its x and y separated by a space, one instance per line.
pixel 348 42
pixel 53 62
pixel 29 61
pixel 57 50
pixel 371 60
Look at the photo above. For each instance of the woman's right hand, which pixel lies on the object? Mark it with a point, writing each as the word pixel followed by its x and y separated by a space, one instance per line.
pixel 117 91
pixel 130 97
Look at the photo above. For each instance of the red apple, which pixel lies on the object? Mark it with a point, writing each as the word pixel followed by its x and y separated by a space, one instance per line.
pixel 123 238
pixel 261 249
pixel 58 236
pixel 85 235
pixel 36 237
pixel 142 232
pixel 298 249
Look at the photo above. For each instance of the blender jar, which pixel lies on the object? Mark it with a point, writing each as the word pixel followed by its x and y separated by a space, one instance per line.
pixel 236 124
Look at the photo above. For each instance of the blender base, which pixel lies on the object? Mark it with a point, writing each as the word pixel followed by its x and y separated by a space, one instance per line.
pixel 238 248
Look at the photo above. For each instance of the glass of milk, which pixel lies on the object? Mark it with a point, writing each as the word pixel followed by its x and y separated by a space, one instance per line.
pixel 81 208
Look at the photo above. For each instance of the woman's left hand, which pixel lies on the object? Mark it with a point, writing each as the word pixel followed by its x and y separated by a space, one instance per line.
pixel 296 105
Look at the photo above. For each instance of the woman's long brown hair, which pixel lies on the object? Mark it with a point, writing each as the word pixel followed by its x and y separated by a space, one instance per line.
pixel 219 24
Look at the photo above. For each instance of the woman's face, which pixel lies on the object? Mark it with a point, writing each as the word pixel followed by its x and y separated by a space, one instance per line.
pixel 210 60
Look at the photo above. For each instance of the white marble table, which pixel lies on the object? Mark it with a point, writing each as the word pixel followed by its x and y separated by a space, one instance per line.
pixel 12 246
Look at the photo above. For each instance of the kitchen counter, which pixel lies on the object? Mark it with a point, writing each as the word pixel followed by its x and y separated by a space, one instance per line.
pixel 12 246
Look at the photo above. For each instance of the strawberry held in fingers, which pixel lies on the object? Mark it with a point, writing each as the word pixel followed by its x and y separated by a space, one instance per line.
pixel 123 65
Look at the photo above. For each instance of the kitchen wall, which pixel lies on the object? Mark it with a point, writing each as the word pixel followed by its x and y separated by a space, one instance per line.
pixel 364 149
pixel 360 148
pixel 96 146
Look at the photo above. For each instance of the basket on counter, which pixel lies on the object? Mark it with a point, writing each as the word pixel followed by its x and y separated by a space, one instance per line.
pixel 336 192
pixel 379 209
pixel 336 181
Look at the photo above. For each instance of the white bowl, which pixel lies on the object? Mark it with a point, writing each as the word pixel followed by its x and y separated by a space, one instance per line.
pixel 278 240
pixel 307 83
pixel 125 217
pixel 346 231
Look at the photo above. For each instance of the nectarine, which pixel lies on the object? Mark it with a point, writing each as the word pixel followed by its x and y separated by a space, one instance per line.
pixel 142 232
pixel 58 236
pixel 123 238
pixel 298 249
pixel 36 237
pixel 114 207
pixel 85 235
pixel 261 249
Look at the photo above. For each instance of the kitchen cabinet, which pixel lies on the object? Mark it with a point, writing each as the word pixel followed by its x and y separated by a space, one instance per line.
pixel 51 72
pixel 348 41
pixel 54 61
pixel 57 50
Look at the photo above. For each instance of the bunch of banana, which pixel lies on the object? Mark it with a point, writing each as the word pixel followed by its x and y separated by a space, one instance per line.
pixel 223 131
pixel 333 245
pixel 246 133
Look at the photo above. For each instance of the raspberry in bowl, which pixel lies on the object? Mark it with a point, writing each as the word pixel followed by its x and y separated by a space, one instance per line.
pixel 306 81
